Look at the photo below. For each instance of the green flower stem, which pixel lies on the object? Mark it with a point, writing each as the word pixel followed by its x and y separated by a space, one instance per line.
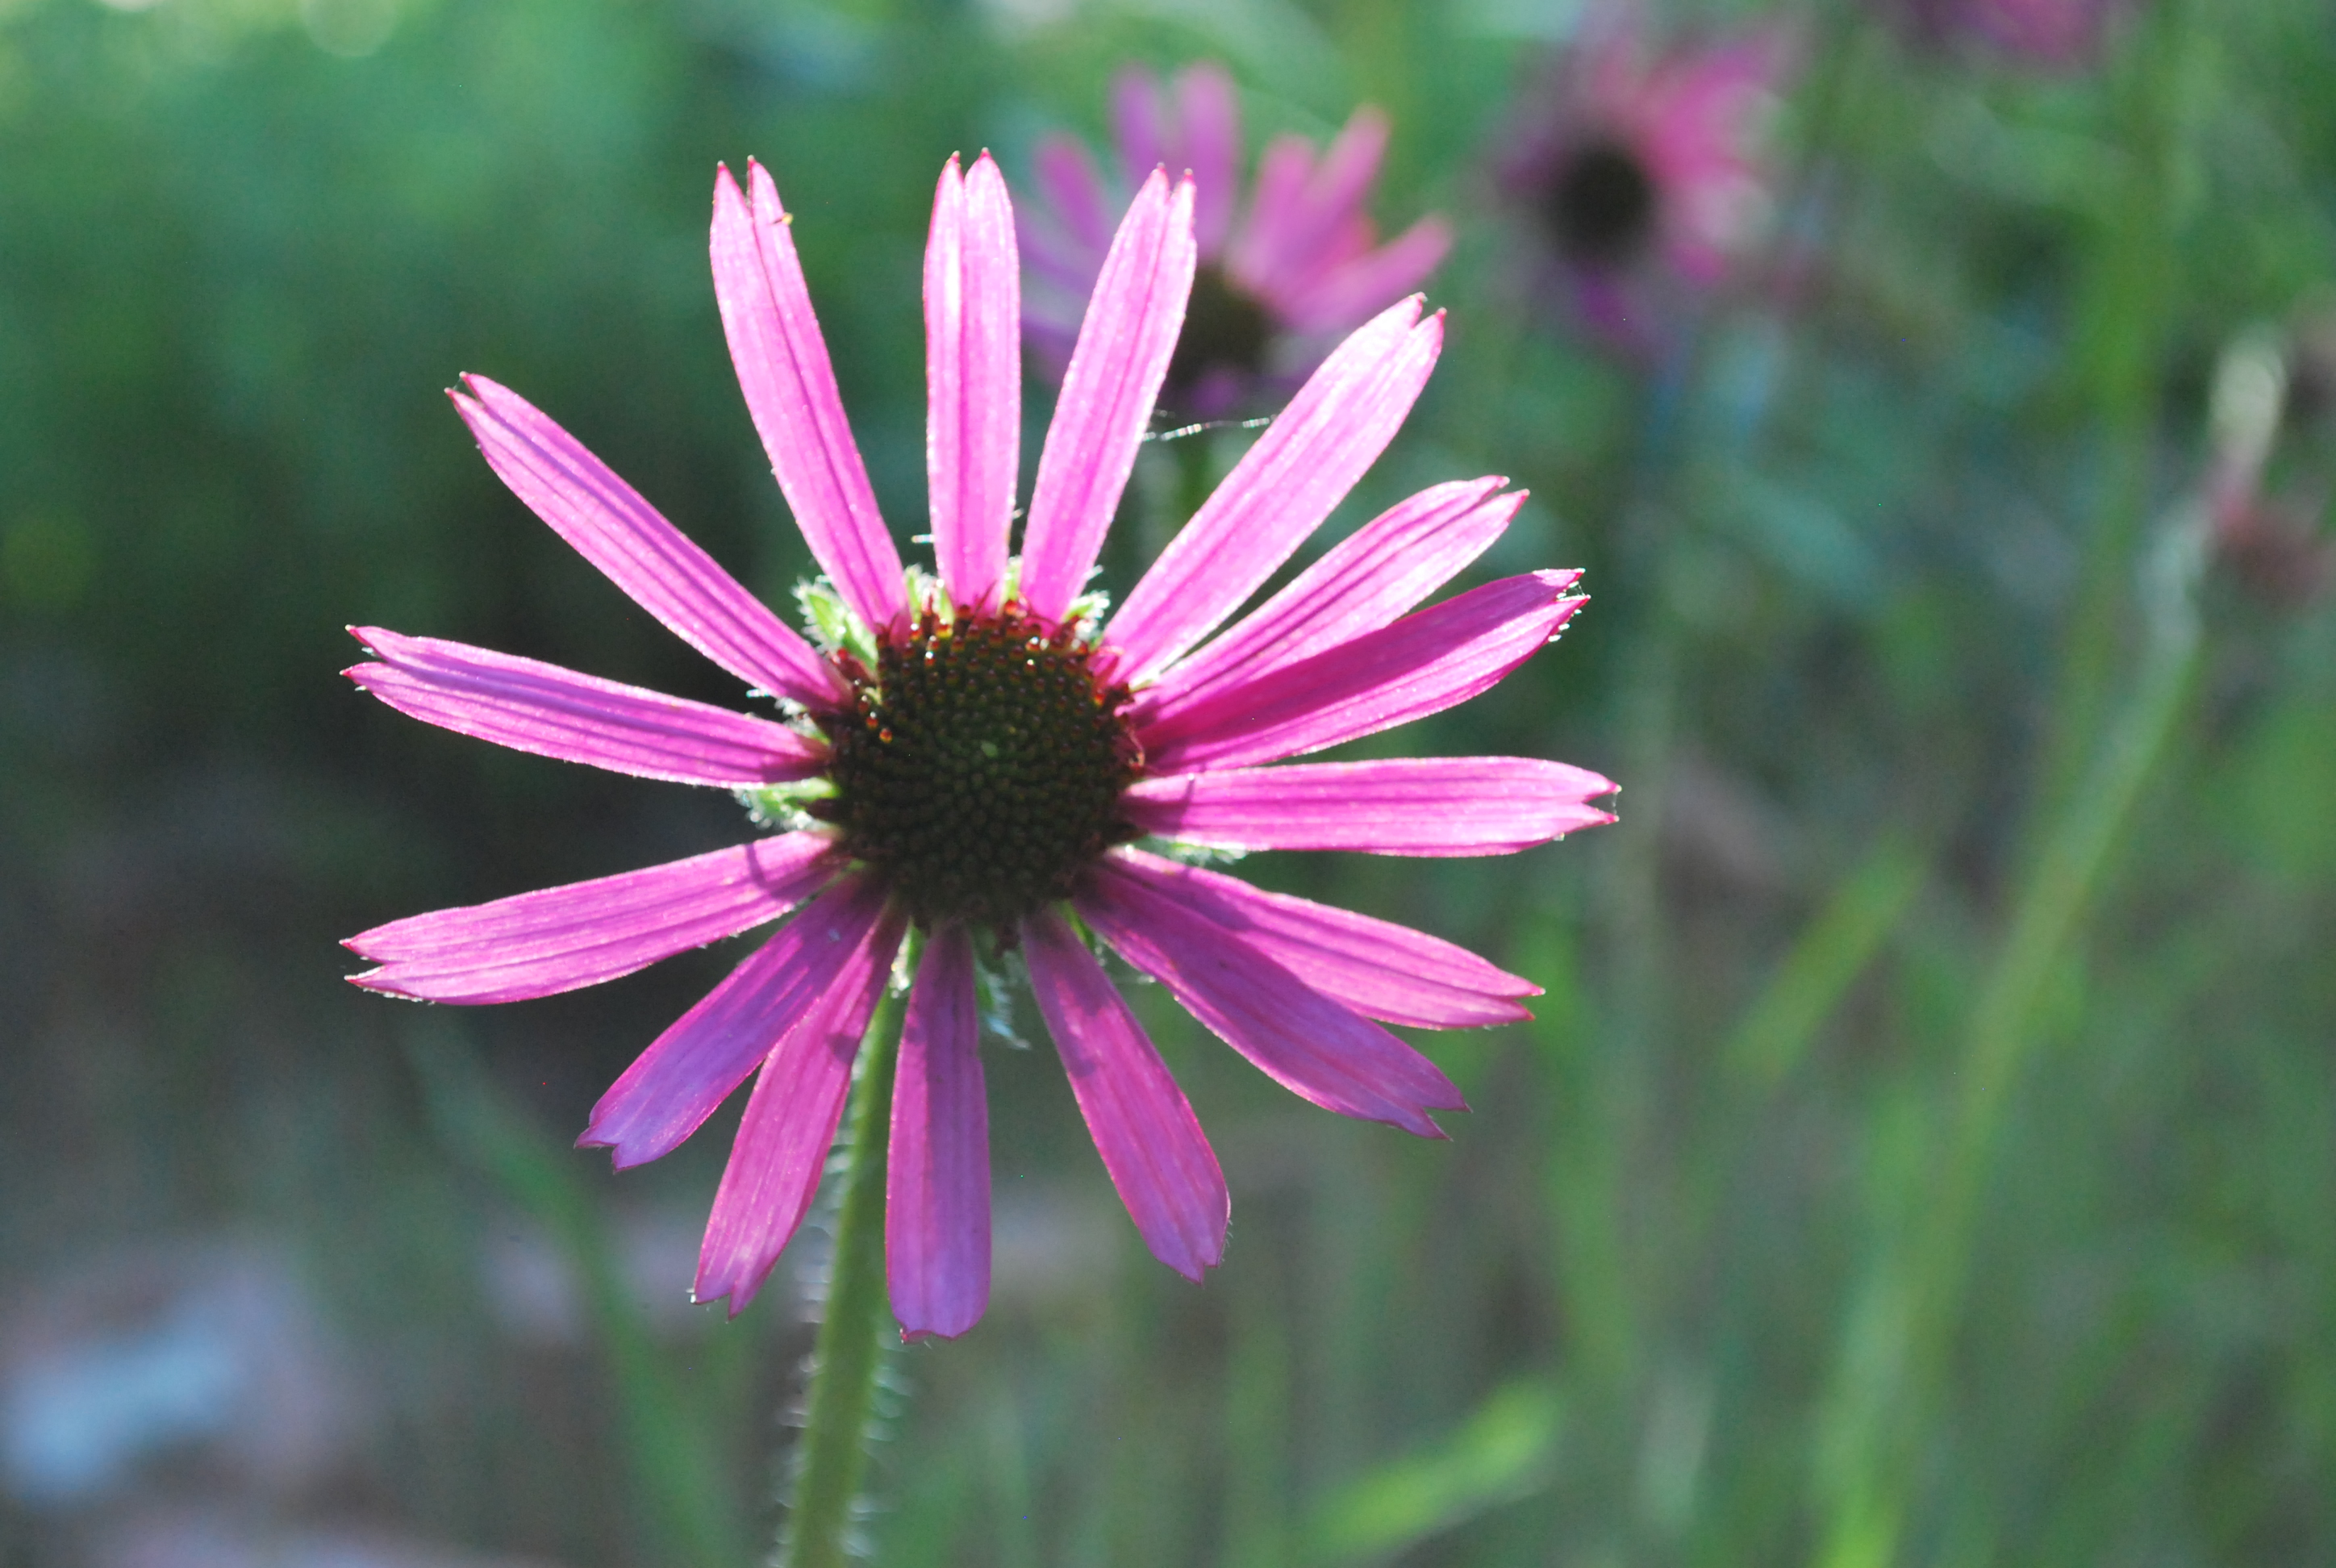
pixel 832 1456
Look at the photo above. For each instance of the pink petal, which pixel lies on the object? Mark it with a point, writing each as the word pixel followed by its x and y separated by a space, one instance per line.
pixel 691 1067
pixel 1355 288
pixel 1074 188
pixel 1282 489
pixel 1139 123
pixel 1116 372
pixel 973 446
pixel 1331 200
pixel 609 525
pixel 1383 972
pixel 1422 664
pixel 1061 266
pixel 937 1180
pixel 788 1128
pixel 1143 1126
pixel 1363 583
pixel 532 706
pixel 1298 1036
pixel 1211 113
pixel 1252 255
pixel 1440 805
pixel 790 386
pixel 560 939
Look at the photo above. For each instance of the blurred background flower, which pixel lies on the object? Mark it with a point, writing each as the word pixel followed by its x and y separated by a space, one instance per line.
pixel 1283 275
pixel 2054 35
pixel 1637 171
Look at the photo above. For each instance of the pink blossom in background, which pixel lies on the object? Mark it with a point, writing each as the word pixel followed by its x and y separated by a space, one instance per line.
pixel 2052 35
pixel 1278 280
pixel 977 759
pixel 1640 172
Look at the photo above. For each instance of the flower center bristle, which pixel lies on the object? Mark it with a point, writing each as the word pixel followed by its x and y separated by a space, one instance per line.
pixel 1601 203
pixel 1225 328
pixel 981 766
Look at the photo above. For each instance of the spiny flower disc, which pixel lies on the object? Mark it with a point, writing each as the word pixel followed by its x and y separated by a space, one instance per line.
pixel 981 768
pixel 1600 206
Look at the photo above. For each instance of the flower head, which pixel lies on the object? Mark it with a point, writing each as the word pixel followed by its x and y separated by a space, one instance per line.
pixel 1277 282
pixel 1639 170
pixel 978 753
pixel 2052 35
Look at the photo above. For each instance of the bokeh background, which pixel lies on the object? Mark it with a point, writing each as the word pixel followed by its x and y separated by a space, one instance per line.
pixel 1925 1151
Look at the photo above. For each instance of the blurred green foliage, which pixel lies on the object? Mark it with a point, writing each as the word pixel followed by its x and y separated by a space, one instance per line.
pixel 1926 1149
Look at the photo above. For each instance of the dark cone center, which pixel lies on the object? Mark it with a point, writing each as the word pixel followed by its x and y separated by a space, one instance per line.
pixel 1600 206
pixel 1224 329
pixel 981 768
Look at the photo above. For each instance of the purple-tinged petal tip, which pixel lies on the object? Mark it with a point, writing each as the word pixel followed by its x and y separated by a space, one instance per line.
pixel 1143 1126
pixel 1302 1039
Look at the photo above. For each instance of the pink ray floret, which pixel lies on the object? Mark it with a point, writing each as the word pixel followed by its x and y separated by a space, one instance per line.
pixel 1196 700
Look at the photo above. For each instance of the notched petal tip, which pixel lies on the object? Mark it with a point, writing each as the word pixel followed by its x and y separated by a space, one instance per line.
pixel 591 1137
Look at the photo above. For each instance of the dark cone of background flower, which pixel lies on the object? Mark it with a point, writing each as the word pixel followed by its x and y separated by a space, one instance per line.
pixel 1600 206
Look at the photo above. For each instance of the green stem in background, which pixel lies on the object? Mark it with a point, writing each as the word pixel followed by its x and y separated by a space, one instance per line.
pixel 1901 1328
pixel 1824 960
pixel 832 1456
pixel 2121 337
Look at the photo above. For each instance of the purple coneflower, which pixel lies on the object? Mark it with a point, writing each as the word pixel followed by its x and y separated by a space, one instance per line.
pixel 2052 35
pixel 976 753
pixel 1639 171
pixel 1275 285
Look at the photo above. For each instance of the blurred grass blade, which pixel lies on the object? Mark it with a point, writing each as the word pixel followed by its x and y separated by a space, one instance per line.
pixel 1501 1452
pixel 1832 952
pixel 672 1461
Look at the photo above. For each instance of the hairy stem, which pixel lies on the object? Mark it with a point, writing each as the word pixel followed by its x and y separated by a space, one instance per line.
pixel 832 1456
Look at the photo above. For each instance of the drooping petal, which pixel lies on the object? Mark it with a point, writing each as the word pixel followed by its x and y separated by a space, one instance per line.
pixel 533 707
pixel 1210 114
pixel 1328 205
pixel 1072 187
pixel 973 352
pixel 1364 583
pixel 1436 806
pixel 1139 123
pixel 1422 664
pixel 1361 284
pixel 1115 371
pixel 936 1177
pixel 1304 1041
pixel 538 944
pixel 790 386
pixel 1281 174
pixel 610 525
pixel 1143 1126
pixel 788 1128
pixel 1381 971
pixel 1279 492
pixel 691 1067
